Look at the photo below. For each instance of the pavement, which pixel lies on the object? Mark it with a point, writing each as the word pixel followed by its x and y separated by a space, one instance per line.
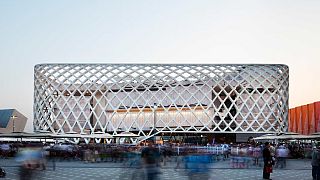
pixel 219 170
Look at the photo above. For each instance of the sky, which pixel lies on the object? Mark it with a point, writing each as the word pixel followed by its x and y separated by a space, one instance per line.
pixel 167 31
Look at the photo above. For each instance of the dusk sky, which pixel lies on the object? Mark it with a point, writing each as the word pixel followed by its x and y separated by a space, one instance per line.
pixel 167 31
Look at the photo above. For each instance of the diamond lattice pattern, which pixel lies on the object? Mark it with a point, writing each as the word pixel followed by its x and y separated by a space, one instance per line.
pixel 148 99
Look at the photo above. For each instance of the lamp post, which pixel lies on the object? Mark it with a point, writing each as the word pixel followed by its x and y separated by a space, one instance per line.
pixel 155 106
pixel 13 117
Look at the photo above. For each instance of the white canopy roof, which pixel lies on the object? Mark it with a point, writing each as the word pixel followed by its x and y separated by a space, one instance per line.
pixel 126 134
pixel 283 136
pixel 99 135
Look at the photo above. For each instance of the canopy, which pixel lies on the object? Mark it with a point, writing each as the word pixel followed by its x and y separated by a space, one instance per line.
pixel 126 134
pixel 99 135
pixel 26 135
pixel 269 137
pixel 293 136
pixel 66 135
pixel 283 136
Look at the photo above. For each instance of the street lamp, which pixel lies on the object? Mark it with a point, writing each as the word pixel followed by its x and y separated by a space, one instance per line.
pixel 13 117
pixel 155 106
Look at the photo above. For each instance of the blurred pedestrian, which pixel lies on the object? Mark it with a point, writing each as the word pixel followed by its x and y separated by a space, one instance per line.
pixel 315 163
pixel 150 157
pixel 267 159
pixel 31 160
pixel 281 154
pixel 197 165
pixel 256 155
pixel 2 173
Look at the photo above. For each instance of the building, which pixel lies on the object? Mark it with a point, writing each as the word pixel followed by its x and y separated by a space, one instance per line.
pixel 161 99
pixel 11 120
pixel 305 119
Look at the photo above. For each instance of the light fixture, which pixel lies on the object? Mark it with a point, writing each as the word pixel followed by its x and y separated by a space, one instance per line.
pixel 13 125
pixel 155 105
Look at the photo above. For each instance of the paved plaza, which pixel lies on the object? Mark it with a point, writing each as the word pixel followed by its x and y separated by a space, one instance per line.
pixel 78 170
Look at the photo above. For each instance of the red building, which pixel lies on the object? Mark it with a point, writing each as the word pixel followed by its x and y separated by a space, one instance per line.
pixel 305 119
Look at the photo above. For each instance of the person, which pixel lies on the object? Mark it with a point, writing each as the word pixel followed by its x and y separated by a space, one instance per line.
pixel 31 160
pixel 150 158
pixel 197 165
pixel 273 153
pixel 315 163
pixel 225 148
pixel 282 154
pixel 256 155
pixel 2 173
pixel 267 160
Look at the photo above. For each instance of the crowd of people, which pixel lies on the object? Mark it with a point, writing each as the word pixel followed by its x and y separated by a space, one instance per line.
pixel 191 159
pixel 248 155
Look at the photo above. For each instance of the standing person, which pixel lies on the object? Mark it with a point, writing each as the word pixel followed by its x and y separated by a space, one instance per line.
pixel 2 173
pixel 150 157
pixel 267 159
pixel 315 164
pixel 273 153
pixel 257 155
pixel 282 154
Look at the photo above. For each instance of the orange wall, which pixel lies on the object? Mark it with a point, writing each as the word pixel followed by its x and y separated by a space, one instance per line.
pixel 311 118
pixel 291 125
pixel 305 119
pixel 317 115
pixel 298 119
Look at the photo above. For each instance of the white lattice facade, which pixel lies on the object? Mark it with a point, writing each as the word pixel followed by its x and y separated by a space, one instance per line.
pixel 151 98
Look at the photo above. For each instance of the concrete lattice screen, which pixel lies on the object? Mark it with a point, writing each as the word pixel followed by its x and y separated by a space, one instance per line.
pixel 152 98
